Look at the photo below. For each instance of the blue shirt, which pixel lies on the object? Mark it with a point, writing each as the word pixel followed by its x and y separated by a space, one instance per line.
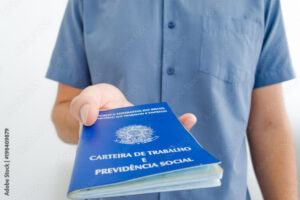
pixel 203 57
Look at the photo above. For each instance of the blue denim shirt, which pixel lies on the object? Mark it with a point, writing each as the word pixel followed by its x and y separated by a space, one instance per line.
pixel 203 57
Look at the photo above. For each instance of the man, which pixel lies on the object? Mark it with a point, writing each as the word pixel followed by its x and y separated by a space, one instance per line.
pixel 221 61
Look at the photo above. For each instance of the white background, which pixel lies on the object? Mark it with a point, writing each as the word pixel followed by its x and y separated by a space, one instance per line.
pixel 40 163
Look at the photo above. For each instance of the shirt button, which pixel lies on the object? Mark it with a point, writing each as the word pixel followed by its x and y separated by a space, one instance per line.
pixel 170 71
pixel 171 25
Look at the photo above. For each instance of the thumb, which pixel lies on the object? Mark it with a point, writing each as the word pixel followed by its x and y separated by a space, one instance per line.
pixel 188 120
pixel 85 107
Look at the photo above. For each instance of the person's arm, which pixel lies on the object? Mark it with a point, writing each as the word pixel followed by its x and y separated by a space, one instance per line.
pixel 67 127
pixel 272 145
pixel 74 107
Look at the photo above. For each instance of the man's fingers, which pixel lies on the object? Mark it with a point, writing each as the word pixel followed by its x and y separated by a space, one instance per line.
pixel 85 107
pixel 188 120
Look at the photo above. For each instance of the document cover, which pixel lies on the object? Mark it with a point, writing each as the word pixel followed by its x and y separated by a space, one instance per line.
pixel 140 149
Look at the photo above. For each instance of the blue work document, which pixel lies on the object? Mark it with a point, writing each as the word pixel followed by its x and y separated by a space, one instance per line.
pixel 140 149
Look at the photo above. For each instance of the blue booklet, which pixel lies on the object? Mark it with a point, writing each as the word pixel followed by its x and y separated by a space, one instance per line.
pixel 140 149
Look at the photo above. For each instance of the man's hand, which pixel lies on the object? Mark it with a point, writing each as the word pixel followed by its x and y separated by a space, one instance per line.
pixel 84 106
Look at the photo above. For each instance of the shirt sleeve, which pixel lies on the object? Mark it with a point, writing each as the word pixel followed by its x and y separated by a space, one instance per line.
pixel 274 64
pixel 68 64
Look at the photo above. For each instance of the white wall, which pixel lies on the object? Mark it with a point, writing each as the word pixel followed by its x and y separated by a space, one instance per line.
pixel 40 163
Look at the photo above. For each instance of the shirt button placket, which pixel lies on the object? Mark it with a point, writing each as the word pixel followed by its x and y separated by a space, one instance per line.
pixel 169 30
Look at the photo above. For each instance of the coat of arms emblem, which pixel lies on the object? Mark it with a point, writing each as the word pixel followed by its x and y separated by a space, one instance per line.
pixel 135 134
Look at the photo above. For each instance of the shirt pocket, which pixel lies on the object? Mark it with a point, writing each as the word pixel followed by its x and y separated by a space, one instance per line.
pixel 229 48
